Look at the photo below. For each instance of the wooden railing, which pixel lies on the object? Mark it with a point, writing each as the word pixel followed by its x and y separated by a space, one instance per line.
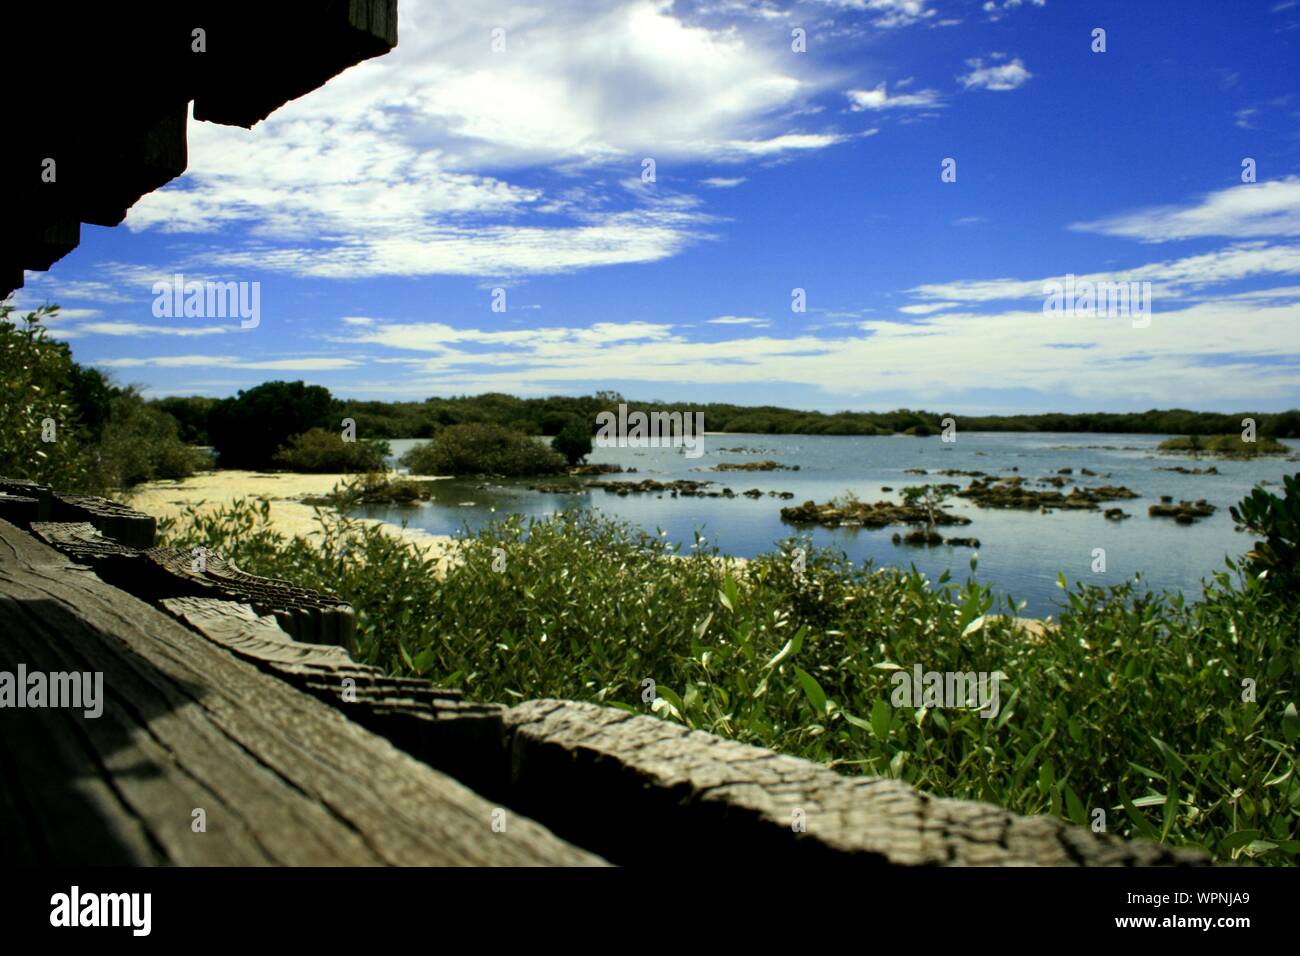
pixel 237 729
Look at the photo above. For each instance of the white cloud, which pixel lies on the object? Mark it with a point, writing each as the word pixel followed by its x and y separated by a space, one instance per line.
pixel 635 236
pixel 927 307
pixel 997 11
pixel 879 99
pixel 1005 76
pixel 1246 211
pixel 406 164
pixel 722 182
pixel 1237 347
pixel 739 320
pixel 230 361
pixel 1177 278
pixel 137 328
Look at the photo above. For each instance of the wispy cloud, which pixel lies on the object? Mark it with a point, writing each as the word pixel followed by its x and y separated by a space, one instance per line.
pixel 997 11
pixel 878 98
pixel 1004 76
pixel 1250 210
pixel 231 361
pixel 888 14
pixel 740 320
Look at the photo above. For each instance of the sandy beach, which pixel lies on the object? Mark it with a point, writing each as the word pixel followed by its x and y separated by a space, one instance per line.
pixel 210 490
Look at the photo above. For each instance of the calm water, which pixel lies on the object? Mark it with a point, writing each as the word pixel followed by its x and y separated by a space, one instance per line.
pixel 1020 553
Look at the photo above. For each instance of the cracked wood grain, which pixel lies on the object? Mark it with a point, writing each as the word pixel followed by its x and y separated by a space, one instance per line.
pixel 282 777
pixel 639 784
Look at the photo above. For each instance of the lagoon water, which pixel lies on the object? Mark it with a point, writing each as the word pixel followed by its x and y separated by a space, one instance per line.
pixel 1021 552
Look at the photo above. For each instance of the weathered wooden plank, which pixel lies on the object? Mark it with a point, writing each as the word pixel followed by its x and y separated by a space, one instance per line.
pixel 126 526
pixel 26 488
pixel 435 725
pixel 186 724
pixel 19 510
pixel 159 573
pixel 590 770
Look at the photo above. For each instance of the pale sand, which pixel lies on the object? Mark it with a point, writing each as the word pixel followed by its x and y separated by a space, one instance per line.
pixel 210 490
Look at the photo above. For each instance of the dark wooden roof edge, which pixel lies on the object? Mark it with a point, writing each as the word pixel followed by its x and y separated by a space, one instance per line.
pixel 122 134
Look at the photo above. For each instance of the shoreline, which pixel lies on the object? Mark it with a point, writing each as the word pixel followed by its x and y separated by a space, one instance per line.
pixel 209 490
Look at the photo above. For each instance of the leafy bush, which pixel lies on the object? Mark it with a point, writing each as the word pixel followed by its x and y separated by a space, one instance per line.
pixel 1132 704
pixel 1229 446
pixel 102 438
pixel 477 449
pixel 321 451
pixel 573 442
pixel 250 428
pixel 373 488
pixel 37 403
pixel 141 443
pixel 191 414
pixel 1277 557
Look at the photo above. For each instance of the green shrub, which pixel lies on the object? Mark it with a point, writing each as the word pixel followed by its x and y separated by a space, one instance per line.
pixel 141 443
pixel 479 449
pixel 373 488
pixel 1133 704
pixel 320 451
pixel 1277 520
pixel 573 442
pixel 248 429
pixel 37 403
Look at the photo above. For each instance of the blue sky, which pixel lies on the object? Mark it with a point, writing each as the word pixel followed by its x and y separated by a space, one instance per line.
pixel 380 212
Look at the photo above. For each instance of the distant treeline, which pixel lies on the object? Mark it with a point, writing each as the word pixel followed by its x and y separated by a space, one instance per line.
pixel 201 418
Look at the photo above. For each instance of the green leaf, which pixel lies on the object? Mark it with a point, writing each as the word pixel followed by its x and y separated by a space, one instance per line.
pixel 791 647
pixel 1008 709
pixel 1171 757
pixel 1075 805
pixel 856 721
pixel 816 696
pixel 881 718
pixel 1171 811
pixel 1290 723
pixel 1075 729
pixel 1046 776
pixel 1142 823
pixel 662 692
pixel 1234 841
pixel 424 660
pixel 973 626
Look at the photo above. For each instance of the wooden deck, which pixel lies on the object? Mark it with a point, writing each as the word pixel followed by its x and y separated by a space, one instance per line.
pixel 287 751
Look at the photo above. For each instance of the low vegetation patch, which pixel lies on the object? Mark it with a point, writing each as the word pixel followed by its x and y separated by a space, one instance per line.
pixel 1224 446
pixel 465 450
pixel 373 488
pixel 764 465
pixel 320 451
pixel 1177 719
